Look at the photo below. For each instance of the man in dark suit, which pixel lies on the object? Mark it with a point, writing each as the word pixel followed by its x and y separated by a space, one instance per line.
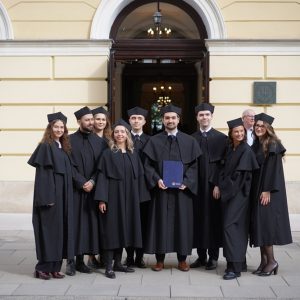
pixel 137 119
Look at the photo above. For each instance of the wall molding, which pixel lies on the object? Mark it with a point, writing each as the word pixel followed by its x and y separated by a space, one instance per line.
pixel 253 47
pixel 6 31
pixel 55 48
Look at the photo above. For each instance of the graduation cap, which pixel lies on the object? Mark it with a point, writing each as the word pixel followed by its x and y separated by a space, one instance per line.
pixel 137 111
pixel 235 123
pixel 99 110
pixel 170 108
pixel 265 118
pixel 204 106
pixel 82 112
pixel 121 122
pixel 57 116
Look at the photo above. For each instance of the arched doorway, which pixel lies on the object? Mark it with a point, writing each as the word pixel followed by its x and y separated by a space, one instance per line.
pixel 146 69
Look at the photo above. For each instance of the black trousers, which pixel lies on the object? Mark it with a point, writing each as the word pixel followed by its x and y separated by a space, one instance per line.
pixel 161 257
pixel 213 253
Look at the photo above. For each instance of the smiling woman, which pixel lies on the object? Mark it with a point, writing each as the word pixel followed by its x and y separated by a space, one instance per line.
pixel 120 187
pixel 235 184
pixel 52 215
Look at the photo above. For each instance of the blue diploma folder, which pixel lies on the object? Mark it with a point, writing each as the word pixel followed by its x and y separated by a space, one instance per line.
pixel 172 173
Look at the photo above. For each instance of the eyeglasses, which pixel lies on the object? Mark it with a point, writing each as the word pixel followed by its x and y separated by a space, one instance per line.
pixel 260 126
pixel 250 116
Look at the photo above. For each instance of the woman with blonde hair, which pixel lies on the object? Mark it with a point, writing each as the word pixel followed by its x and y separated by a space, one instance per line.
pixel 119 189
pixel 270 219
pixel 52 215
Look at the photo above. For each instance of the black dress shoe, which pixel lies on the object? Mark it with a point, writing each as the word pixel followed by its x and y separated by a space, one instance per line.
pixel 110 274
pixel 121 268
pixel 140 263
pixel 258 270
pixel 211 264
pixel 231 275
pixel 83 268
pixel 93 263
pixel 42 275
pixel 265 273
pixel 70 268
pixel 129 262
pixel 198 263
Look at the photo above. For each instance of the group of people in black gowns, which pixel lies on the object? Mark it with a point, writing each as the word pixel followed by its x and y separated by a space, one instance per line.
pixel 107 188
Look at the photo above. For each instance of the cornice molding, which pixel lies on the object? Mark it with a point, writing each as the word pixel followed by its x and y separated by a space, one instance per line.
pixel 55 47
pixel 253 47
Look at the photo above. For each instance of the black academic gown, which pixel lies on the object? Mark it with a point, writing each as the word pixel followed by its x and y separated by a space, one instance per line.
pixel 170 226
pixel 86 151
pixel 53 225
pixel 121 185
pixel 139 145
pixel 269 224
pixel 235 185
pixel 207 210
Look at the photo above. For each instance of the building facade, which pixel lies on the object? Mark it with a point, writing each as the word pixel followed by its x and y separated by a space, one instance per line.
pixel 57 56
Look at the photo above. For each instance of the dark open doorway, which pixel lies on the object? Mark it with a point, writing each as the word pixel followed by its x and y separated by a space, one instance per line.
pixel 147 85
pixel 139 64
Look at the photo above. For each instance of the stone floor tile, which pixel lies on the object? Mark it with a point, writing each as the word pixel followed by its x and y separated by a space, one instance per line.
pixel 292 280
pixel 42 289
pixel 248 279
pixel 292 292
pixel 94 290
pixel 144 291
pixel 195 291
pixel 121 278
pixel 7 288
pixel 248 292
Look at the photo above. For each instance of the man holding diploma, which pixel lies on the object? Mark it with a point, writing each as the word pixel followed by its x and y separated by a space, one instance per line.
pixel 171 173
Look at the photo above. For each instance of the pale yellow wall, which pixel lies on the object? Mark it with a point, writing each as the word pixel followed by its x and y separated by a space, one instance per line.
pixel 260 19
pixel 51 19
pixel 231 90
pixel 32 87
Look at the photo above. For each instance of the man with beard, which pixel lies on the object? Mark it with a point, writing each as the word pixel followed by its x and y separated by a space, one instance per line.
pixel 86 150
pixel 171 208
pixel 207 205
pixel 137 119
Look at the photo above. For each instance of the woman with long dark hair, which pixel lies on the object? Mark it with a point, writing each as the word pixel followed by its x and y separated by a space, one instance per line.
pixel 52 215
pixel 120 188
pixel 270 219
pixel 235 184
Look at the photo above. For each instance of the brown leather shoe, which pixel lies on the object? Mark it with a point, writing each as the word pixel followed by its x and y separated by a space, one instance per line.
pixel 183 266
pixel 158 267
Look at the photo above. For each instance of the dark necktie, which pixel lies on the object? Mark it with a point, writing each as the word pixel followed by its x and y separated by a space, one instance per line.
pixel 171 138
pixel 136 137
pixel 204 134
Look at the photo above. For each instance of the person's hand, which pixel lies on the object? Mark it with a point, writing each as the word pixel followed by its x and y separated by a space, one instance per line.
pixel 216 192
pixel 102 207
pixel 88 186
pixel 182 187
pixel 161 184
pixel 265 198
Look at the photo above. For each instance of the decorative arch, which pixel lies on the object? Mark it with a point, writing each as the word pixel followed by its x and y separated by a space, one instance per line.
pixel 6 32
pixel 108 11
